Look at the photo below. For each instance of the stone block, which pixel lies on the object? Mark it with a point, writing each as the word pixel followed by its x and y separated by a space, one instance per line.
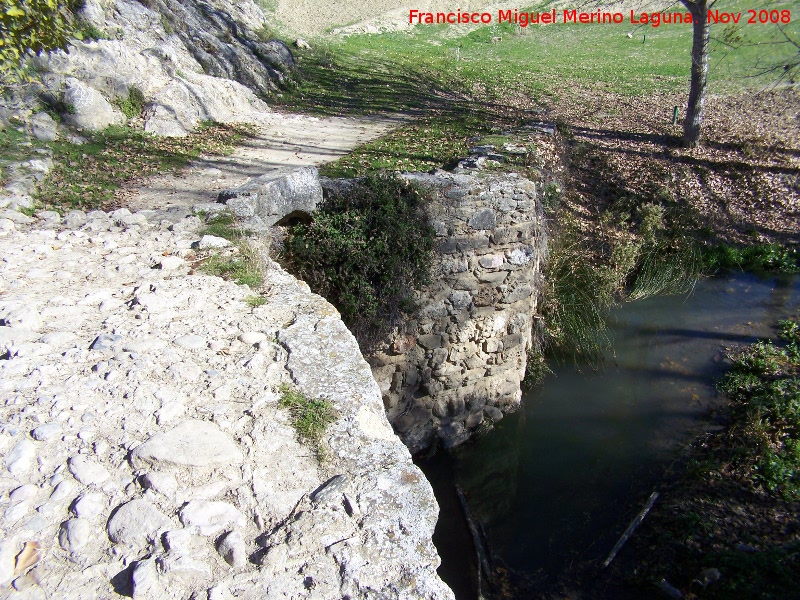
pixel 275 196
pixel 483 219
pixel 471 242
pixel 493 278
pixel 465 281
pixel 431 341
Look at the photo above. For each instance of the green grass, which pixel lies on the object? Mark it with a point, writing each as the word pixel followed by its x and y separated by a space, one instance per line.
pixel 758 257
pixel 432 65
pixel 88 175
pixel 224 225
pixel 310 417
pixel 255 301
pixel 244 267
pixel 15 146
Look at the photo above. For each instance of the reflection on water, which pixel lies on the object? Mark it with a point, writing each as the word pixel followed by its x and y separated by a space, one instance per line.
pixel 560 479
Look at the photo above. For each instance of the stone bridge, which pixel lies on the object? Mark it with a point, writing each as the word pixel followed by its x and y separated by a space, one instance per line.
pixel 466 357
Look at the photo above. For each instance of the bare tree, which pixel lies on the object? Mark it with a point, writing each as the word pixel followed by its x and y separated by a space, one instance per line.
pixel 701 37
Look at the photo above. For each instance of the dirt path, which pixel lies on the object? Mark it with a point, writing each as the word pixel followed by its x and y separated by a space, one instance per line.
pixel 282 141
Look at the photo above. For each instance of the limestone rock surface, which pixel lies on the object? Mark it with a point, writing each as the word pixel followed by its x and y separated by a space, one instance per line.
pixel 146 467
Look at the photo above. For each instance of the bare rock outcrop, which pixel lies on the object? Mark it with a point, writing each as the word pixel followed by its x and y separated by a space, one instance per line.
pixel 191 61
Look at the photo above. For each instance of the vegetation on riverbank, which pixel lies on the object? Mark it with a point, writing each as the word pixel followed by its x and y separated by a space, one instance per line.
pixel 737 508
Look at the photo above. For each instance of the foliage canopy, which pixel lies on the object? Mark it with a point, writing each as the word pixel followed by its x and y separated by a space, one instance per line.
pixel 30 26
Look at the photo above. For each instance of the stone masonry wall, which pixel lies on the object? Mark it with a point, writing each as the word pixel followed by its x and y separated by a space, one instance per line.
pixel 467 355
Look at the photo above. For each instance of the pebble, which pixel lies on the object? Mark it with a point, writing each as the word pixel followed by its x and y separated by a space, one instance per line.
pixel 74 534
pixel 251 338
pixel 232 548
pixel 87 471
pixel 163 483
pixel 210 517
pixel 208 242
pixel 192 443
pixel 46 432
pixel 135 522
pixel 105 341
pixel 190 342
pixel 89 505
pixel 23 492
pixel 20 459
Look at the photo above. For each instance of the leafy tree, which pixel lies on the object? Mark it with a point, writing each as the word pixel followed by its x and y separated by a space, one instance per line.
pixel 30 26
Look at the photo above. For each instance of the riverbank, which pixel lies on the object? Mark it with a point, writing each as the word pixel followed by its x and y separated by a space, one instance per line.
pixel 728 526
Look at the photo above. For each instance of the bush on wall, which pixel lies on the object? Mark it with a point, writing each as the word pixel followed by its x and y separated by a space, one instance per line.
pixel 367 249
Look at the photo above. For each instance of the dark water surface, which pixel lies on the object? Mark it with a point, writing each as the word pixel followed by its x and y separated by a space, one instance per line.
pixel 559 480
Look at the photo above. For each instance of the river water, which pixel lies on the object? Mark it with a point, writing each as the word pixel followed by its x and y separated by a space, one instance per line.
pixel 557 482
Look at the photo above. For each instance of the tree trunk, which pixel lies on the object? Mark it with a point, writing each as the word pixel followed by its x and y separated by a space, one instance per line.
pixel 701 33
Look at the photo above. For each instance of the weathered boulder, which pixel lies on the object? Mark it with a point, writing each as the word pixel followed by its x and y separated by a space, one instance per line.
pixel 192 61
pixel 275 196
pixel 89 110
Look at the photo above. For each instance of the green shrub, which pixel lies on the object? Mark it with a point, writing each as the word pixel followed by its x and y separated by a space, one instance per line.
pixel 764 387
pixel 133 105
pixel 366 251
pixel 760 257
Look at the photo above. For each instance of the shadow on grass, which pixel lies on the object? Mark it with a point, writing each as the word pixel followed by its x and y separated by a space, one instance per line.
pixel 330 85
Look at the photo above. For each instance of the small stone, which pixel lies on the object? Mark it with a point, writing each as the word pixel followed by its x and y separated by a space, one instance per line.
pixel 35 524
pixel 16 217
pixel 46 432
pixel 208 242
pixel 163 483
pixel 460 299
pixel 105 341
pixel 491 261
pixel 135 522
pixel 6 226
pixel 62 491
pixel 210 517
pixel 170 263
pixel 15 512
pixel 145 578
pixel 20 459
pixel 74 534
pixel 43 127
pixel 8 552
pixel 192 443
pixel 22 318
pixel 232 548
pixel 23 492
pixel 494 413
pixel 89 505
pixel 330 490
pixel 191 342
pixel 519 256
pixel 74 219
pixel 251 338
pixel 87 471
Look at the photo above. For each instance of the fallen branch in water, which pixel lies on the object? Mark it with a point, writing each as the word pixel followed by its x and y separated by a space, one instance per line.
pixel 631 528
pixel 483 563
